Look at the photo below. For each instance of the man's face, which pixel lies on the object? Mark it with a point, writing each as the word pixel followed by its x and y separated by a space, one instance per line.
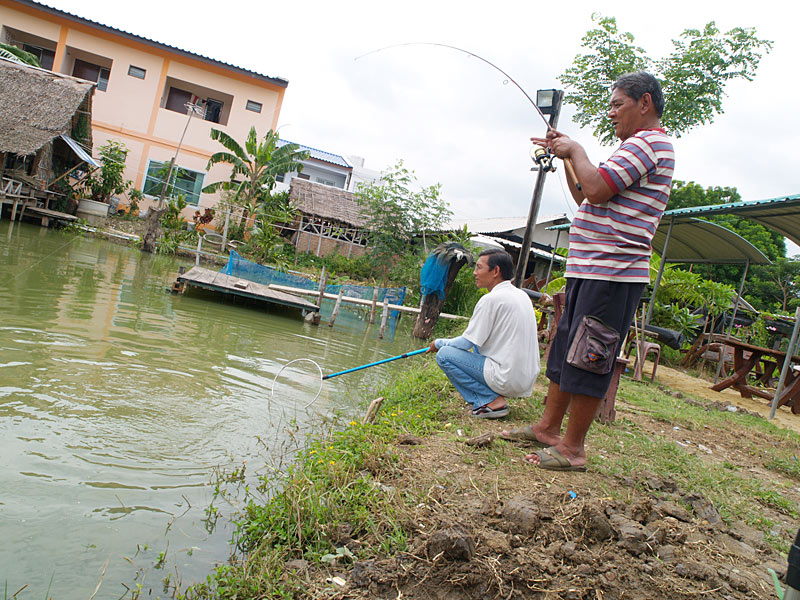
pixel 624 113
pixel 483 275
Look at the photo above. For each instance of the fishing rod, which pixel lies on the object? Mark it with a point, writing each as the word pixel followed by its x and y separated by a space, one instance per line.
pixel 567 162
pixel 380 362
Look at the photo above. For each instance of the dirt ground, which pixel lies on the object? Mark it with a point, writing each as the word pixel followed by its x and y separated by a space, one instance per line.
pixel 490 528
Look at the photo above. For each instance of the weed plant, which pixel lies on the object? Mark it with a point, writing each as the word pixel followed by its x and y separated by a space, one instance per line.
pixel 335 481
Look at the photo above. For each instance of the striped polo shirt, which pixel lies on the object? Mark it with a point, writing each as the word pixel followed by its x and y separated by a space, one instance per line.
pixel 612 241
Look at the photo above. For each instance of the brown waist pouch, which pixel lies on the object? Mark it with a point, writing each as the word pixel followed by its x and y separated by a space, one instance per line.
pixel 594 347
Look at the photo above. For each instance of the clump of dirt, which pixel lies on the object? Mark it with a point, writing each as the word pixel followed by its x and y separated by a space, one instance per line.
pixel 488 525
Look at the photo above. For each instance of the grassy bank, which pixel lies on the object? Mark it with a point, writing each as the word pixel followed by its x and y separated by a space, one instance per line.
pixel 357 496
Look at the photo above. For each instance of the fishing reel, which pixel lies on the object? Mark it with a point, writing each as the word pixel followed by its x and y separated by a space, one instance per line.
pixel 543 159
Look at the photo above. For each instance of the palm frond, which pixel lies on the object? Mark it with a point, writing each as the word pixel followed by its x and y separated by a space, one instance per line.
pixel 230 144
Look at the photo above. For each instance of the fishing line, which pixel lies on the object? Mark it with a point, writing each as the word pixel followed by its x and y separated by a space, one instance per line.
pixel 467 52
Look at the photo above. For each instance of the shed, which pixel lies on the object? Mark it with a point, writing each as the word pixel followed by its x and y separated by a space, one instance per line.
pixel 39 106
pixel 330 220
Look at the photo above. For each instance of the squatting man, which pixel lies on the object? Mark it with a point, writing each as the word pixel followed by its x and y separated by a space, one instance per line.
pixel 497 356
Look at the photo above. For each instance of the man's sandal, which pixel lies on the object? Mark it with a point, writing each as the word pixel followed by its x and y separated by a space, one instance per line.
pixel 484 412
pixel 552 460
pixel 523 434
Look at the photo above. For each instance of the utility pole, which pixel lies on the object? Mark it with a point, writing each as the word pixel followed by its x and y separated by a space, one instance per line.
pixel 543 165
pixel 152 232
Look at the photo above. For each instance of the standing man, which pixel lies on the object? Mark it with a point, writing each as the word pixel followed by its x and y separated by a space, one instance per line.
pixel 608 266
pixel 497 357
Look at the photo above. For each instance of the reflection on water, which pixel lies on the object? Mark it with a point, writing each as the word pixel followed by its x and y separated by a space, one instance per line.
pixel 118 400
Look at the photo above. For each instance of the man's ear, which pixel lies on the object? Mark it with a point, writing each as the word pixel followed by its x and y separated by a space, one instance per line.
pixel 646 102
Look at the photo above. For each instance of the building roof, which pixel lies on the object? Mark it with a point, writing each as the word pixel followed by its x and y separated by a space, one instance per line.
pixel 779 214
pixel 328 157
pixel 697 241
pixel 37 106
pixel 278 81
pixel 325 201
pixel 501 224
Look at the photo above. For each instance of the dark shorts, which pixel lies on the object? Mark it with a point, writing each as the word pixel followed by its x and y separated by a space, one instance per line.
pixel 612 302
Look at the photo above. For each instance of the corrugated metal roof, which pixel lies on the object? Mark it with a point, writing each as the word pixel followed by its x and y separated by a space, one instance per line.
pixel 779 214
pixel 696 240
pixel 499 224
pixel 328 157
pixel 279 81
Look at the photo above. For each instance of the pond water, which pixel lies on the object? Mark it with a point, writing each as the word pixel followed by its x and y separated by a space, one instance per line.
pixel 119 402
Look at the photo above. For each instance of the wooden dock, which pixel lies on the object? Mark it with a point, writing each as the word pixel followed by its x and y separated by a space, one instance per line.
pixel 225 284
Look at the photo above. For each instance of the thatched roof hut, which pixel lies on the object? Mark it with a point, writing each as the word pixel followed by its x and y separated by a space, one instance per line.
pixel 330 219
pixel 326 202
pixel 36 106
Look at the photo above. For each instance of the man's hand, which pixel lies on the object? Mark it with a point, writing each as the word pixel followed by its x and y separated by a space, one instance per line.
pixel 431 348
pixel 560 144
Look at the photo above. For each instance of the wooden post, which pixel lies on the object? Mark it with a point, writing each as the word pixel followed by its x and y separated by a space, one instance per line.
pixel 225 229
pixel 336 307
pixel 323 282
pixel 199 245
pixel 372 308
pixel 319 241
pixel 372 411
pixel 384 316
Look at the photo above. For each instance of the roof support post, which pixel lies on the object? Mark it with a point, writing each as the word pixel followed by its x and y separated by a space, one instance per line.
pixel 733 318
pixel 660 272
pixel 786 363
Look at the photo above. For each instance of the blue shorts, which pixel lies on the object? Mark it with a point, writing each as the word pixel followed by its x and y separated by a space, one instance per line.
pixel 612 302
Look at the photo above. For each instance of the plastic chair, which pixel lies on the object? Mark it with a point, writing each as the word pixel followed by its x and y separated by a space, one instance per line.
pixel 643 349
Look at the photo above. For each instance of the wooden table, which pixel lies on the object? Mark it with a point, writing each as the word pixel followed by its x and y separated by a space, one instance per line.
pixel 745 359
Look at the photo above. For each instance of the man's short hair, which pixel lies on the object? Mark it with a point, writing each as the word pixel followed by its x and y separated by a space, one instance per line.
pixel 636 85
pixel 499 258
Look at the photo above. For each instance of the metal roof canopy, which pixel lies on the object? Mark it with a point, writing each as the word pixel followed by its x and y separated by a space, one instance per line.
pixel 779 214
pixel 699 241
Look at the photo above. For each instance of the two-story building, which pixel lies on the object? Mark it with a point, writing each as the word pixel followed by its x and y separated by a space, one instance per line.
pixel 143 89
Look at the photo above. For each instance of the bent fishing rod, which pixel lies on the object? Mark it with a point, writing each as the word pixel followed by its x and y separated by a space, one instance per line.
pixel 567 162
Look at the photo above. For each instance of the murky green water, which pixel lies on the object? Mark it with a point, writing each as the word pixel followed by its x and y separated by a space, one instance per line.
pixel 118 401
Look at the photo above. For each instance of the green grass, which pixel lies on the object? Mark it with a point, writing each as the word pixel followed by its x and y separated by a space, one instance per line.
pixel 337 479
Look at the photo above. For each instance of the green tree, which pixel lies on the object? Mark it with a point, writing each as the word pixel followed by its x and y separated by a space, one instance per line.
pixel 254 166
pixel 775 287
pixel 18 55
pixel 396 213
pixel 693 76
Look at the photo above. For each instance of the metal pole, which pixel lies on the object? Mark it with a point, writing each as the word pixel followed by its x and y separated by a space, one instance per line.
pixel 733 319
pixel 660 272
pixel 536 200
pixel 786 363
pixel 552 258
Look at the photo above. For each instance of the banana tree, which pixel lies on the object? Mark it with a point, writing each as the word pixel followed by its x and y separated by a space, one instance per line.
pixel 255 166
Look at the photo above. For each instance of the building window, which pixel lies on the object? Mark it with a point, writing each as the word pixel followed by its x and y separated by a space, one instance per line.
pixel 45 56
pixel 177 100
pixel 213 110
pixel 184 181
pixel 90 72
pixel 324 181
pixel 254 106
pixel 137 72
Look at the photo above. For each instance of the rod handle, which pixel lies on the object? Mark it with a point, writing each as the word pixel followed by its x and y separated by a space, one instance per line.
pixel 571 172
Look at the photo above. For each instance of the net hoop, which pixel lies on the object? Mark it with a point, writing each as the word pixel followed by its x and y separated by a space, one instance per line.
pixel 319 391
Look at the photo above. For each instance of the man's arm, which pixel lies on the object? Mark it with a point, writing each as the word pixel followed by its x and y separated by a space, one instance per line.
pixel 593 187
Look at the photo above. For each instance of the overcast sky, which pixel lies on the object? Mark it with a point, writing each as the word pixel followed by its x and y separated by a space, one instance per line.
pixel 452 118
